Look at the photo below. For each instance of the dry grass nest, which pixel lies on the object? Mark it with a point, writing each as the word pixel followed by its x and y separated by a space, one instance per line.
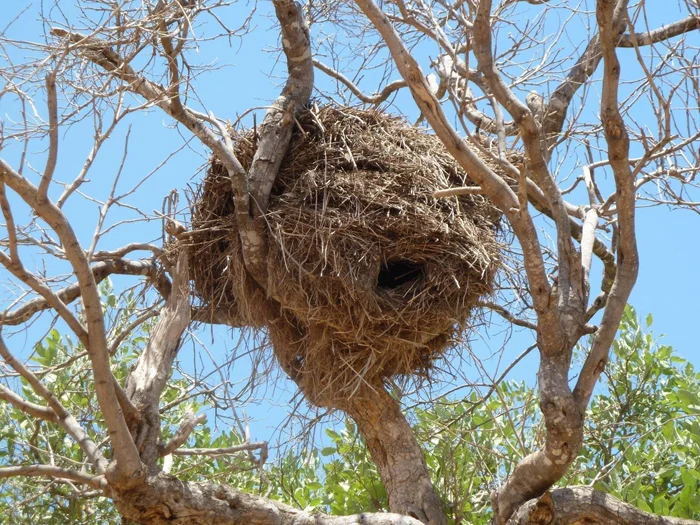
pixel 370 276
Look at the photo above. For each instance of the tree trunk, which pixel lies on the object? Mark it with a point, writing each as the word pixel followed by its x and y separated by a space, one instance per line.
pixel 399 458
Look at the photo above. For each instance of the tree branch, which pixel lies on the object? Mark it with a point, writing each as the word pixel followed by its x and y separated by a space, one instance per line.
pixel 52 157
pixel 67 295
pixel 690 23
pixel 495 187
pixel 245 447
pixel 375 99
pixel 38 411
pixel 63 417
pixel 150 373
pixel 164 499
pixel 395 450
pixel 126 469
pixel 187 426
pixel 276 132
pixel 536 154
pixel 574 505
pixel 618 142
pixel 47 471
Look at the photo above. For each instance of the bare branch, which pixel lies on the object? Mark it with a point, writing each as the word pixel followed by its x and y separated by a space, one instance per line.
pixel 537 166
pixel 9 224
pixel 628 258
pixel 67 295
pixel 187 426
pixel 690 23
pixel 53 136
pixel 376 99
pixel 127 468
pixel 104 56
pixel 261 445
pixel 463 190
pixel 508 316
pixel 149 375
pixel 191 503
pixel 48 471
pixel 38 411
pixel 496 188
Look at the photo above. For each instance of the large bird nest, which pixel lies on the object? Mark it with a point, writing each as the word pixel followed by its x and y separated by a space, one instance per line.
pixel 369 276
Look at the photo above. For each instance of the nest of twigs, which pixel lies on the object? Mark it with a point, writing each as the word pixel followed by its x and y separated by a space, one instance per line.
pixel 369 275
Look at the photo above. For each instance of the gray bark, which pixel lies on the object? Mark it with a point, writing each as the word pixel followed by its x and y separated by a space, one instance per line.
pixel 147 380
pixel 584 505
pixel 275 133
pixel 165 500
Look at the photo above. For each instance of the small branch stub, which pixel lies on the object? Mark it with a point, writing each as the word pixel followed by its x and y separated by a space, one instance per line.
pixel 455 192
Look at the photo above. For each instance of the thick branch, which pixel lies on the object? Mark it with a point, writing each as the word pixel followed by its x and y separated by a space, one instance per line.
pixel 275 133
pixel 395 450
pixel 149 376
pixel 690 23
pixel 164 499
pixel 628 257
pixel 576 505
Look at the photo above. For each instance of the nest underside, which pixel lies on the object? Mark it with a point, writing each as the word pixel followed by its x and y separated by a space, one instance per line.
pixel 369 276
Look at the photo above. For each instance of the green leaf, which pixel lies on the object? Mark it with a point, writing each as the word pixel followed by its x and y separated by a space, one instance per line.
pixel 688 479
pixel 333 434
pixel 689 399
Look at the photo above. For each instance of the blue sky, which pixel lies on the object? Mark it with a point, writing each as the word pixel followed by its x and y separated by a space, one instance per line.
pixel 669 279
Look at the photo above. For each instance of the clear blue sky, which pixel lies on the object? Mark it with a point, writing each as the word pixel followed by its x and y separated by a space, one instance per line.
pixel 669 279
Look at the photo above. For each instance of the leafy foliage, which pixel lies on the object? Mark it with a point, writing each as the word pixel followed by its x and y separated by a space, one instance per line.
pixel 644 434
pixel 642 440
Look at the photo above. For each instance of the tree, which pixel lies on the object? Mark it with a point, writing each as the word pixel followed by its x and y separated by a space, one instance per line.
pixel 641 446
pixel 108 60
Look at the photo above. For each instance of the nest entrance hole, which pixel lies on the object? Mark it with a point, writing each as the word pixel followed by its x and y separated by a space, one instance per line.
pixel 399 272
